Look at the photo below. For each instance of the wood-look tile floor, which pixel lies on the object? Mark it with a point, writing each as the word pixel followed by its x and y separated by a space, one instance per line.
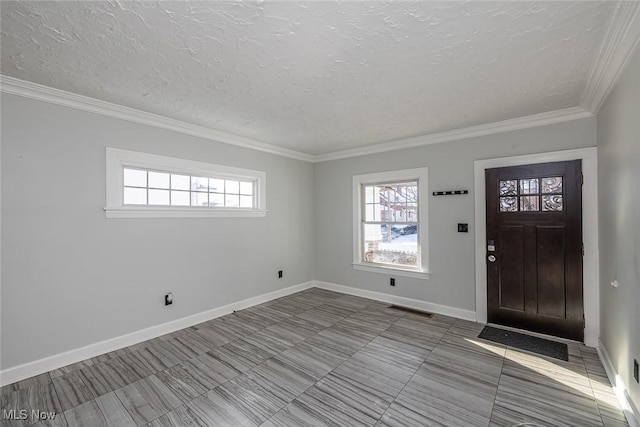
pixel 322 358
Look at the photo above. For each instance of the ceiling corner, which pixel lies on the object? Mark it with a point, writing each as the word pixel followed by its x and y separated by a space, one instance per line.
pixel 620 43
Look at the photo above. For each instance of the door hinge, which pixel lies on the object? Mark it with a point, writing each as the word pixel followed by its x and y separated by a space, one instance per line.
pixel 584 323
pixel 581 179
pixel 583 249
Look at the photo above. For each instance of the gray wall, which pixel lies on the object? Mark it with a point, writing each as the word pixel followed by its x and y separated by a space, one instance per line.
pixel 619 209
pixel 452 261
pixel 71 277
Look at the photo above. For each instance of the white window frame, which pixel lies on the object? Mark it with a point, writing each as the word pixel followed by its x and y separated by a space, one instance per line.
pixel 419 174
pixel 118 159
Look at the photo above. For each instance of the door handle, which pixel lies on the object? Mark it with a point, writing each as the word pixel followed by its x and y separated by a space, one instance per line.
pixel 492 258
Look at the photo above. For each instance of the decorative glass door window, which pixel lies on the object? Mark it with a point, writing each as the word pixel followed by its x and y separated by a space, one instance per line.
pixel 531 195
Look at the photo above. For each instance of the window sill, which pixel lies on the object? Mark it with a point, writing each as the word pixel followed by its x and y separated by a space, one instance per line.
pixel 153 212
pixel 415 274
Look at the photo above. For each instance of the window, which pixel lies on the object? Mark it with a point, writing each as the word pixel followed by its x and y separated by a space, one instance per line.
pixel 531 195
pixel 390 222
pixel 143 185
pixel 154 188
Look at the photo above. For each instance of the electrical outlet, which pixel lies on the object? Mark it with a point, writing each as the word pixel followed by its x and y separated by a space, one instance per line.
pixel 392 282
pixel 168 298
pixel 279 274
pixel 636 374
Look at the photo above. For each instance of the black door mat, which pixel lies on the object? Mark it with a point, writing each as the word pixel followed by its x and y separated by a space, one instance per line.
pixel 537 345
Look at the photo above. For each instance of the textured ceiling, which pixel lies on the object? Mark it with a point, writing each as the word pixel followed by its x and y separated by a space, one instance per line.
pixel 315 77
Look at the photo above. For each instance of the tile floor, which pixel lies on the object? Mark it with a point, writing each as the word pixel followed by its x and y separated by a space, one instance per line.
pixel 322 358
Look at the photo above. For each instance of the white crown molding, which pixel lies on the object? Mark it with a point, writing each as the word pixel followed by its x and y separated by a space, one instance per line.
pixel 557 116
pixel 39 92
pixel 620 42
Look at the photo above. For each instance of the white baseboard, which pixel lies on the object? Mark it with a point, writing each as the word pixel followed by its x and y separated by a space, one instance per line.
pixel 37 367
pixel 627 405
pixel 30 369
pixel 405 302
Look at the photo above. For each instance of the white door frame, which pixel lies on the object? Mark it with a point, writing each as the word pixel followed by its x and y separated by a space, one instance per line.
pixel 590 269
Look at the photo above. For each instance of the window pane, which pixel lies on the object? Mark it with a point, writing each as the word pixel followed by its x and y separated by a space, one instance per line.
pixel 552 185
pixel 412 212
pixel 135 178
pixel 399 198
pixel 384 213
pixel 377 211
pixel 412 193
pixel 135 196
pixel 231 201
pixel 404 229
pixel 216 185
pixel 231 187
pixel 216 199
pixel 159 197
pixel 552 203
pixel 199 199
pixel 368 194
pixel 529 186
pixel 369 215
pixel 158 180
pixel 508 188
pixel 180 182
pixel 199 184
pixel 387 193
pixel 246 188
pixel 382 245
pixel 246 201
pixel 508 204
pixel 403 214
pixel 179 198
pixel 530 203
pixel 393 216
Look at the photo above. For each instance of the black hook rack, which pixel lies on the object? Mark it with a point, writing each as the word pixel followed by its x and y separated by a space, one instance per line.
pixel 450 193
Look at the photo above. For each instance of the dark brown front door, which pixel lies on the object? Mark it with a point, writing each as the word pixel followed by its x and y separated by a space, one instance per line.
pixel 534 248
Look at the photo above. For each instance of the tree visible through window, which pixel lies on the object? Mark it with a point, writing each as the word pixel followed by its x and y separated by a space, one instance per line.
pixel 390 217
pixel 390 223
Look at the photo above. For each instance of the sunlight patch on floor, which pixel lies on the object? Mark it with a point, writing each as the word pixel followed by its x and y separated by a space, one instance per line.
pixel 578 381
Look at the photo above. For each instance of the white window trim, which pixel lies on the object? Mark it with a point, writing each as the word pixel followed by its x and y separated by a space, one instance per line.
pixel 118 159
pixel 421 174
